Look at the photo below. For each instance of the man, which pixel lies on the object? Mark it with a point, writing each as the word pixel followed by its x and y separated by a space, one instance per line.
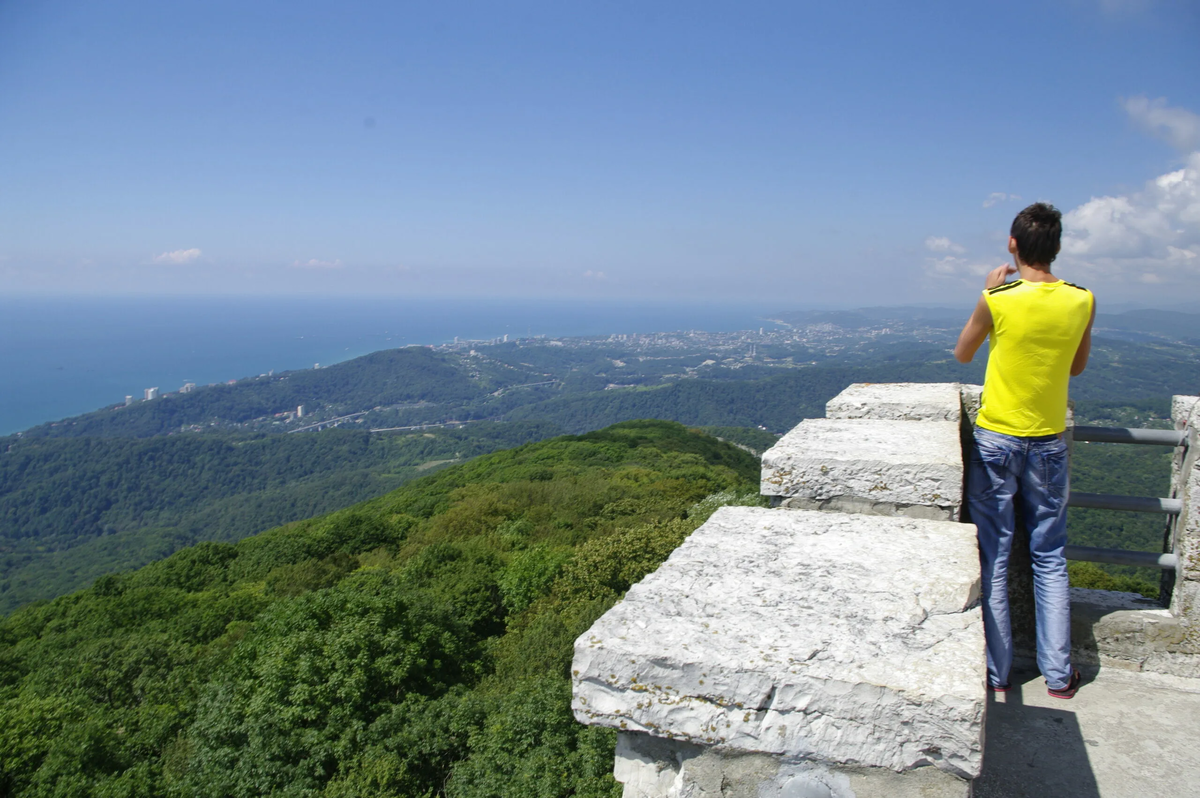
pixel 1041 332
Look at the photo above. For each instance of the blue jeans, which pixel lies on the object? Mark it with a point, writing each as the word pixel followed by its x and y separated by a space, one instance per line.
pixel 1006 472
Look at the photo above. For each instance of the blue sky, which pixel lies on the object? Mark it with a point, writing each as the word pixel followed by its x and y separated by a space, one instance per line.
pixel 848 153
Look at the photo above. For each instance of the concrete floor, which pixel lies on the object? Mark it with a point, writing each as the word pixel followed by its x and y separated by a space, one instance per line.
pixel 1123 735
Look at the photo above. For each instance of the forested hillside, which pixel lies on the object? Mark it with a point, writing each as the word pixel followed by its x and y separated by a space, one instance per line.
pixel 73 509
pixel 417 644
pixel 1118 469
pixel 778 402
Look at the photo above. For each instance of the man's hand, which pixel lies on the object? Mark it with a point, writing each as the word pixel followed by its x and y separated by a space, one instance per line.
pixel 998 275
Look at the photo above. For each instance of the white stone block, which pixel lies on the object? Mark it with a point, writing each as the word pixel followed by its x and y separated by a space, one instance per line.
pixel 1183 410
pixel 891 401
pixel 884 466
pixel 653 767
pixel 972 398
pixel 1187 524
pixel 847 639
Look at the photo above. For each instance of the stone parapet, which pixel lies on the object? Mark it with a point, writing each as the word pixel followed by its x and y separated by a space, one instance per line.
pixel 879 467
pixel 840 653
pixel 1185 485
pixel 913 401
pixel 1126 631
pixel 972 398
pixel 1185 528
pixel 652 767
pixel 857 641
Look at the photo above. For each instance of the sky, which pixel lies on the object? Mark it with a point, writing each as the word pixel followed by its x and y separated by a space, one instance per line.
pixel 840 154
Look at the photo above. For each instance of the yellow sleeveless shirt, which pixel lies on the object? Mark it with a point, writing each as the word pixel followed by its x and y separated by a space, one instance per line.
pixel 1036 330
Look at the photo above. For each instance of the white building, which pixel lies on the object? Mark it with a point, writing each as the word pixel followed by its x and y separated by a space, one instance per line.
pixel 188 387
pixel 151 393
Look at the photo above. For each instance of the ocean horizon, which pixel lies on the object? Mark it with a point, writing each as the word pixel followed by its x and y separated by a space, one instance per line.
pixel 61 357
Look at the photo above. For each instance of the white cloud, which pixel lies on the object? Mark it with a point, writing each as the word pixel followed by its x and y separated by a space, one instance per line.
pixel 178 256
pixel 595 275
pixel 1177 126
pixel 998 196
pixel 952 263
pixel 943 244
pixel 967 270
pixel 1152 235
pixel 314 263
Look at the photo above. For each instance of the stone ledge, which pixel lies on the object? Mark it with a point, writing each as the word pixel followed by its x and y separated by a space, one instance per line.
pixel 1126 631
pixel 651 767
pixel 881 464
pixel 851 504
pixel 907 401
pixel 972 398
pixel 1183 409
pixel 845 639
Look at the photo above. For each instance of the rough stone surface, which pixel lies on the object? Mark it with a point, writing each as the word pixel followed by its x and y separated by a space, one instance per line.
pixel 972 397
pixel 887 465
pixel 652 767
pixel 1183 409
pixel 847 639
pixel 1126 631
pixel 910 401
pixel 1185 527
pixel 1187 524
pixel 853 504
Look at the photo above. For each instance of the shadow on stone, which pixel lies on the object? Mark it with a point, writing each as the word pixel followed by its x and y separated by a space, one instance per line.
pixel 1033 752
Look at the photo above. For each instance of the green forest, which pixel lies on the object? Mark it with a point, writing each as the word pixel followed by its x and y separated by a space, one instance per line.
pixel 1117 469
pixel 417 644
pixel 73 509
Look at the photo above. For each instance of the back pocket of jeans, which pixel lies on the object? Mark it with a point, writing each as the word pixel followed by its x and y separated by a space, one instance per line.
pixel 1055 471
pixel 987 471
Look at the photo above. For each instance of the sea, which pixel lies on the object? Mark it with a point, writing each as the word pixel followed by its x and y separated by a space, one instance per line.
pixel 60 357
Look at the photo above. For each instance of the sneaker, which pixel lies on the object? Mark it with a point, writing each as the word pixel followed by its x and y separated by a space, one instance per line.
pixel 999 688
pixel 1069 690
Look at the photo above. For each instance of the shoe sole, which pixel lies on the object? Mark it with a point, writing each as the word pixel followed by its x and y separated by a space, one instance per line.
pixel 1071 688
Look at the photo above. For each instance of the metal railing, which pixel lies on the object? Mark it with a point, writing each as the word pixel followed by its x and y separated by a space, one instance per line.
pixel 1142 559
pixel 1152 437
pixel 1134 504
pixel 1129 504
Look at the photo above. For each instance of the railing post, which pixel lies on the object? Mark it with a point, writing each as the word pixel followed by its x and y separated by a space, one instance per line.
pixel 1182 586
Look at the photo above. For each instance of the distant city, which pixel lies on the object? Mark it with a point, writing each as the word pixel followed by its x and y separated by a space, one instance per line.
pixel 634 360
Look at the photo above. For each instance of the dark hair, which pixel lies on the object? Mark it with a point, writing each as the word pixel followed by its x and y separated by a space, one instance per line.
pixel 1038 230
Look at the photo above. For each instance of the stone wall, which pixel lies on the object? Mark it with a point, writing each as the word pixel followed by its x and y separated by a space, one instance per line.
pixel 891 449
pixel 833 646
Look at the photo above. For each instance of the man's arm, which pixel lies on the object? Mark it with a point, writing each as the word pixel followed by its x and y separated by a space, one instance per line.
pixel 974 332
pixel 1085 345
pixel 977 328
